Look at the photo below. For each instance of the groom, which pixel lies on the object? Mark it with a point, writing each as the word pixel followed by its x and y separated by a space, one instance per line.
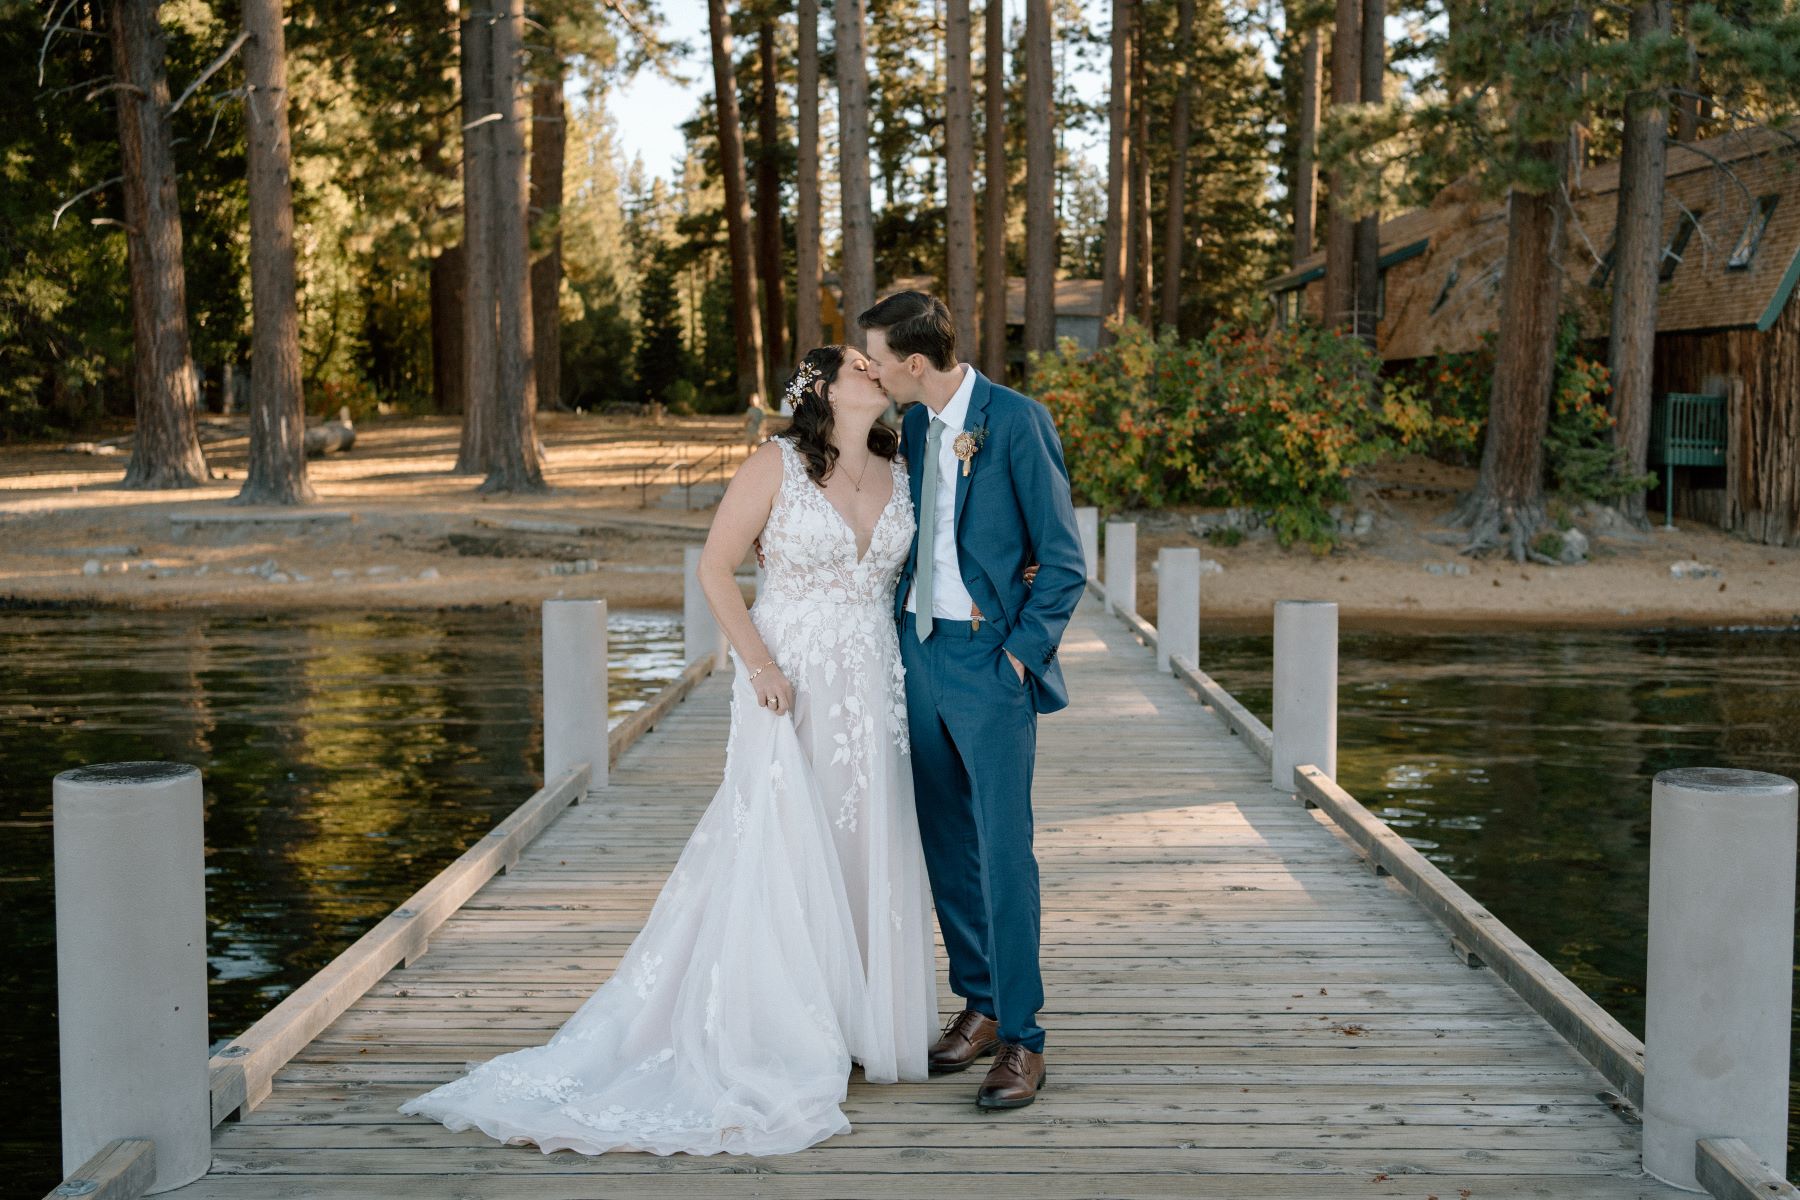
pixel 979 647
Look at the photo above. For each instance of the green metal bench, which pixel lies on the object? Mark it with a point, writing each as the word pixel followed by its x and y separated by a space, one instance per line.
pixel 1686 430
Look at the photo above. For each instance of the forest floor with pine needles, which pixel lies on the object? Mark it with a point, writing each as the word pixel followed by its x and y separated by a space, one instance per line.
pixel 392 527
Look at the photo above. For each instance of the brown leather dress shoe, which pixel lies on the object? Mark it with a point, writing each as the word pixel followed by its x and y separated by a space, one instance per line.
pixel 1014 1079
pixel 967 1037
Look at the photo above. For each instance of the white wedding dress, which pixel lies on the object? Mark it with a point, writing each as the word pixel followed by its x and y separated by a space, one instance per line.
pixel 794 934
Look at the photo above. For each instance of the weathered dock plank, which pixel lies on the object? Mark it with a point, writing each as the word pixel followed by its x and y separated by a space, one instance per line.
pixel 1237 1007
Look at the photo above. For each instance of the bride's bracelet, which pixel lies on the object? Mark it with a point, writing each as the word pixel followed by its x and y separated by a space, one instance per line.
pixel 762 668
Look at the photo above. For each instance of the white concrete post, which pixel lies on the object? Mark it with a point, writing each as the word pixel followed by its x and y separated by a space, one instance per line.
pixel 1719 989
pixel 1121 566
pixel 1177 605
pixel 699 632
pixel 575 717
pixel 131 964
pixel 1087 524
pixel 1306 666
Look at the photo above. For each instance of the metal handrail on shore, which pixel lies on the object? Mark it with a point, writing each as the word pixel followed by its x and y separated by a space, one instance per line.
pixel 686 471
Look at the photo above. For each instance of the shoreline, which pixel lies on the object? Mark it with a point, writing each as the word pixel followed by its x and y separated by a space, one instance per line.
pixel 393 529
pixel 1350 620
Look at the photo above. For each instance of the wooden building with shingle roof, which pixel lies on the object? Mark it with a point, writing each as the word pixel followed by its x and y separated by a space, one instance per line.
pixel 1728 323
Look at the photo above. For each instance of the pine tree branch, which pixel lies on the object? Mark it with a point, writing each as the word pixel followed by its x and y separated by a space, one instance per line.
pixel 218 107
pixel 74 87
pixel 652 49
pixel 78 196
pixel 236 44
pixel 1734 114
pixel 119 86
pixel 50 28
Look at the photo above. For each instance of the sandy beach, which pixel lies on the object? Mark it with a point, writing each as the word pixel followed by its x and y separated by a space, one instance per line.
pixel 394 528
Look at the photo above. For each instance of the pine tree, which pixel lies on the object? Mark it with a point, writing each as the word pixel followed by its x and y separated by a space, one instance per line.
pixel 165 453
pixel 660 357
pixel 277 471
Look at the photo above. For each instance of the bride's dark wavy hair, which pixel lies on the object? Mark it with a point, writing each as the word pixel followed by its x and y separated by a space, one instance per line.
pixel 813 422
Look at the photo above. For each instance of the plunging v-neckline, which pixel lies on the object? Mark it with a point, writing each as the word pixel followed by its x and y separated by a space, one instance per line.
pixel 893 491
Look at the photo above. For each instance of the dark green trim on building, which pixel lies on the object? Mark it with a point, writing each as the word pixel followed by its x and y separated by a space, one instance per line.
pixel 1395 257
pixel 1779 300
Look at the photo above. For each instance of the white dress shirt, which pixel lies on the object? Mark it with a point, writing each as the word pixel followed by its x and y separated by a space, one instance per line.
pixel 951 601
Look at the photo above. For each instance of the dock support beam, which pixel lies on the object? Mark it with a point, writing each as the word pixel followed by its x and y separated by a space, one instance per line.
pixel 1087 525
pixel 575 717
pixel 131 965
pixel 1177 606
pixel 1305 708
pixel 1719 988
pixel 1121 567
pixel 699 631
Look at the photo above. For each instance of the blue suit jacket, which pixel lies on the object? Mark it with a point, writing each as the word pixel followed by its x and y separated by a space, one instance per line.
pixel 1013 508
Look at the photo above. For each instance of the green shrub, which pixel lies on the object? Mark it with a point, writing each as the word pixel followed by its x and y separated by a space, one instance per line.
pixel 1579 460
pixel 1276 419
pixel 681 397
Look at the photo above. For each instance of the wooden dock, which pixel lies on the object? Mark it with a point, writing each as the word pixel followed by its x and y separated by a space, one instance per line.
pixel 1238 1006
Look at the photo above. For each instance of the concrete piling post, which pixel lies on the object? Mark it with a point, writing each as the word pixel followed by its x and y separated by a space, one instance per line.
pixel 130 862
pixel 1305 708
pixel 575 713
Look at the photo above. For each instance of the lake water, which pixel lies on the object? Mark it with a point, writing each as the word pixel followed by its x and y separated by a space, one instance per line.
pixel 348 758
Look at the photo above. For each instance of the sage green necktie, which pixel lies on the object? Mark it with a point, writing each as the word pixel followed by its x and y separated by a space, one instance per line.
pixel 928 490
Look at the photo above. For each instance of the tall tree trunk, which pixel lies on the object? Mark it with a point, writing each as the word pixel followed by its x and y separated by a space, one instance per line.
pixel 1113 253
pixel 479 230
pixel 746 323
pixel 768 203
pixel 513 465
pixel 1367 240
pixel 1582 25
pixel 857 275
pixel 165 449
pixel 1306 170
pixel 1506 509
pixel 1040 180
pixel 959 175
pixel 808 274
pixel 1637 259
pixel 445 280
pixel 1176 214
pixel 447 286
pixel 1142 302
pixel 549 148
pixel 1175 217
pixel 277 473
pixel 1692 107
pixel 993 197
pixel 1340 222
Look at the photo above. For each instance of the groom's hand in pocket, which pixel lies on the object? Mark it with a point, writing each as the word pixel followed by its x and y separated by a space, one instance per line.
pixel 1016 664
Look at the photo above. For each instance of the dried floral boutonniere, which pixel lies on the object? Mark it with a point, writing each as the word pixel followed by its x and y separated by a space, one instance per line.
pixel 967 443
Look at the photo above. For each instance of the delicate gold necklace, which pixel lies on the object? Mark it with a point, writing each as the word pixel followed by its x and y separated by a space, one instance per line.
pixel 856 480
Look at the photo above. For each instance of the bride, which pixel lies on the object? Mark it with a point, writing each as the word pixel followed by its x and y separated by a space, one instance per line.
pixel 794 935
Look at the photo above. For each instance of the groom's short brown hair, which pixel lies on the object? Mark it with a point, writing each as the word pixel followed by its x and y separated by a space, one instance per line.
pixel 915 323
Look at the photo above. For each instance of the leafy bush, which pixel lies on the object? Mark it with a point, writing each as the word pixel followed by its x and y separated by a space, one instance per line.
pixel 1275 419
pixel 1579 459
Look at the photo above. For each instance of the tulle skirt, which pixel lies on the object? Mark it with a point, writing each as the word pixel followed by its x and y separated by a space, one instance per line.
pixel 792 937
